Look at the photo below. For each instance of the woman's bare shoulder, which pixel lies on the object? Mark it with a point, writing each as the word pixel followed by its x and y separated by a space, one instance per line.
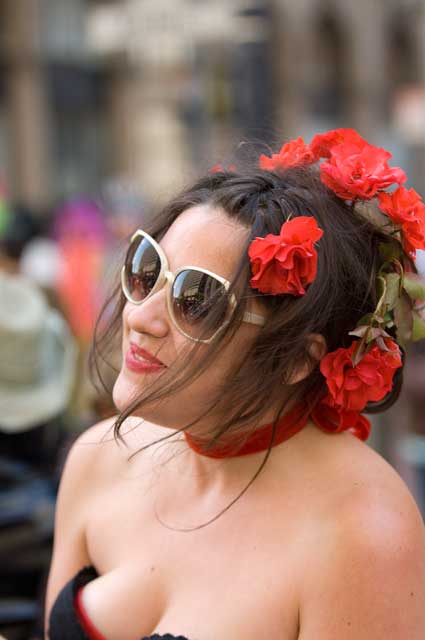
pixel 374 506
pixel 348 471
pixel 364 489
pixel 100 445
pixel 366 575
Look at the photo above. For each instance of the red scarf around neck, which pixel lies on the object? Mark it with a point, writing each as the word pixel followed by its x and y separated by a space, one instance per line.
pixel 288 425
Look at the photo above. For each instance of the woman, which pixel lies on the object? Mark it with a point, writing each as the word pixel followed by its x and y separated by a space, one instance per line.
pixel 259 317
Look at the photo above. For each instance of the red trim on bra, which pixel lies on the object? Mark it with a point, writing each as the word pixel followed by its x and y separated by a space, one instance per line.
pixel 83 618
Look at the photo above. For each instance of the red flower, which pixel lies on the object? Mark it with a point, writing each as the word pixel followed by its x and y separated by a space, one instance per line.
pixel 218 168
pixel 352 387
pixel 292 154
pixel 359 170
pixel 322 144
pixel 288 262
pixel 405 208
pixel 333 420
pixel 401 205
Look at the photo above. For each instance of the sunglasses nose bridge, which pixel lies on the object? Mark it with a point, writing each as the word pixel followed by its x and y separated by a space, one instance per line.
pixel 169 276
pixel 168 282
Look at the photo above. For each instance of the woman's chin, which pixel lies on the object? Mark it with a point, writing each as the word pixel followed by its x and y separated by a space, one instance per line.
pixel 172 413
pixel 123 393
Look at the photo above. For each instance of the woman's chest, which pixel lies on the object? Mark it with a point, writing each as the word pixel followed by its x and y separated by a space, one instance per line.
pixel 236 578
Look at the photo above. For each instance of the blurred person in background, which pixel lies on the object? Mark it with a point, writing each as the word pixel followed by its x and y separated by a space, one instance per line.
pixel 37 374
pixel 42 263
pixel 82 239
pixel 37 369
pixel 80 232
pixel 20 227
pixel 259 315
pixel 26 246
pixel 4 212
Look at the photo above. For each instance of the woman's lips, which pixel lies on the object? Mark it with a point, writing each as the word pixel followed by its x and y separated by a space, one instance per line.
pixel 141 361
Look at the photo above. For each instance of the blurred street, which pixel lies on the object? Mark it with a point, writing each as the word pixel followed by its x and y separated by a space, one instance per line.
pixel 107 108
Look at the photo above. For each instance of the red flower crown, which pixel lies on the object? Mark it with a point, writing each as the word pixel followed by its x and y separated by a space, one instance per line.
pixel 287 263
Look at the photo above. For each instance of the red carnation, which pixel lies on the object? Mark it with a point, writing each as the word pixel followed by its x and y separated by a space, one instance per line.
pixel 288 262
pixel 359 170
pixel 353 386
pixel 405 208
pixel 333 420
pixel 322 144
pixel 292 154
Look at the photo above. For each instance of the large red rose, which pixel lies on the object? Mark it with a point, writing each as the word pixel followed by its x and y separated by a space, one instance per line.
pixel 405 208
pixel 333 420
pixel 352 387
pixel 359 170
pixel 322 144
pixel 292 154
pixel 286 263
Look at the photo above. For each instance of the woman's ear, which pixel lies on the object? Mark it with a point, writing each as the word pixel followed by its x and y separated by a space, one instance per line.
pixel 316 348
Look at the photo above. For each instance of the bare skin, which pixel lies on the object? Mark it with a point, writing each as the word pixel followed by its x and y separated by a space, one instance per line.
pixel 326 544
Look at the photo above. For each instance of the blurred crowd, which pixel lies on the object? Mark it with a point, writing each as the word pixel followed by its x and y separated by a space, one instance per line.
pixel 56 270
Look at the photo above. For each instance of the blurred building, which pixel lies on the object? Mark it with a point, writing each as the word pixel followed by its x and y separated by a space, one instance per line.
pixel 152 89
pixel 359 64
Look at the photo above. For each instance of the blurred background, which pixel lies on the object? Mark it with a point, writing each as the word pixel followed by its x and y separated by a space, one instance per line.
pixel 107 107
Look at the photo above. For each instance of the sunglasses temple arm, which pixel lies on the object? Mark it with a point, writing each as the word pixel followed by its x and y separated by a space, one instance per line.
pixel 254 318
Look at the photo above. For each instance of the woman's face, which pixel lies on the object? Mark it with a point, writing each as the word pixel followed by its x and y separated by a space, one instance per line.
pixel 205 237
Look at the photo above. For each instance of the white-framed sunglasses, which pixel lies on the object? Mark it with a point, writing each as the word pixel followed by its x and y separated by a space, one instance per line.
pixel 197 299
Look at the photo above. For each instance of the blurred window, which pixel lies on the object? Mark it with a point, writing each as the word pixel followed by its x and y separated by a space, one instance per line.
pixel 328 99
pixel 77 98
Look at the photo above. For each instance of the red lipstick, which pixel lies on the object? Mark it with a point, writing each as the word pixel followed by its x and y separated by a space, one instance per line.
pixel 141 361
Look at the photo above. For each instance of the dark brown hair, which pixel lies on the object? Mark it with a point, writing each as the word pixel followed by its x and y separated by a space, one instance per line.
pixel 344 290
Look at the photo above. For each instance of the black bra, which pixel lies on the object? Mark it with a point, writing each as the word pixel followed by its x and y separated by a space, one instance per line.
pixel 64 623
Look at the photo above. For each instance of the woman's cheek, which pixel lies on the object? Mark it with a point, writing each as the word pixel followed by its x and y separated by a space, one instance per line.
pixel 182 407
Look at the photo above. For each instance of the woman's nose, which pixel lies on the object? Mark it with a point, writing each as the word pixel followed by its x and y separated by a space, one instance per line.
pixel 151 316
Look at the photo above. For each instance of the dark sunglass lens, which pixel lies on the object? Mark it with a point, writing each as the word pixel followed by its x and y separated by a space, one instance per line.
pixel 142 268
pixel 200 303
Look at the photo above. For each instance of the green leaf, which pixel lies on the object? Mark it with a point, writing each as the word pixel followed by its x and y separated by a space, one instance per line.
pixel 414 284
pixel 418 331
pixel 381 289
pixel 359 331
pixel 359 352
pixel 375 333
pixel 392 292
pixel 389 251
pixel 403 318
pixel 366 319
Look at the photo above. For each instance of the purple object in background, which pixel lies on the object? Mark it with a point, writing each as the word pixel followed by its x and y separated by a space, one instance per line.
pixel 81 217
